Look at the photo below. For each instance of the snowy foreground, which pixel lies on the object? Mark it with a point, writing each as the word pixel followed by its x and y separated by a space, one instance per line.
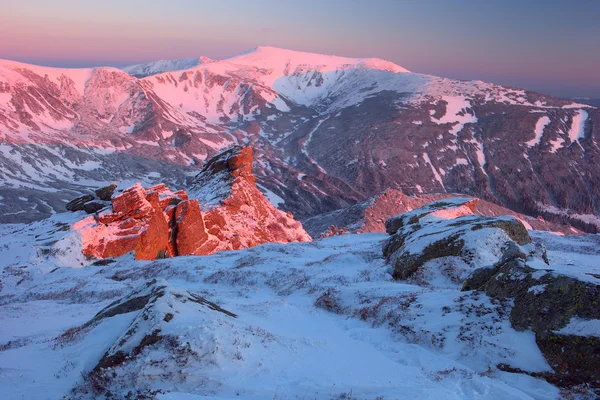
pixel 320 320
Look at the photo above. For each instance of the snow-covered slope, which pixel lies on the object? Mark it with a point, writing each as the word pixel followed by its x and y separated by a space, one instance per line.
pixel 328 131
pixel 158 67
pixel 322 319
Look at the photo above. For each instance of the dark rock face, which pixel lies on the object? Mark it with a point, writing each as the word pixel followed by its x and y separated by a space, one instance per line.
pixel 105 193
pixel 553 305
pixel 546 303
pixel 78 204
pixel 92 207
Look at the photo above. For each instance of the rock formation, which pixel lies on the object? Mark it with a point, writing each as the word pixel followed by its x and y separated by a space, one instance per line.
pixel 157 222
pixel 371 214
pixel 235 211
pixel 496 256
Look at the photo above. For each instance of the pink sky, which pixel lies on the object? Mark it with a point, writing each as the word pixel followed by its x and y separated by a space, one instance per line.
pixel 547 45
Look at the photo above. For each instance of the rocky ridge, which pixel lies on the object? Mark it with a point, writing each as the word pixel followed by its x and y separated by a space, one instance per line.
pixel 370 215
pixel 228 212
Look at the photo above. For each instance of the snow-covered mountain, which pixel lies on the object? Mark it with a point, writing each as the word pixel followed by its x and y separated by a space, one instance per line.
pixel 327 132
pixel 158 67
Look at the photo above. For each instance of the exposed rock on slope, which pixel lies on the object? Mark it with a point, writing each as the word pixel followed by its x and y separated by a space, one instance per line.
pixel 494 255
pixel 449 228
pixel 157 222
pixel 158 336
pixel 562 311
pixel 234 209
pixel 139 222
pixel 92 203
pixel 371 214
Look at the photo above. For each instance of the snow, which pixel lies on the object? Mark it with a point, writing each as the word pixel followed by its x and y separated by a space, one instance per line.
pixel 537 289
pixel 581 327
pixel 272 197
pixel 161 66
pixel 149 143
pixel 279 345
pixel 456 105
pixel 479 151
pixel 79 76
pixel 539 131
pixel 557 144
pixel 306 143
pixel 526 224
pixel 574 256
pixel 436 174
pixel 587 218
pixel 577 130
pixel 576 105
pixel 200 94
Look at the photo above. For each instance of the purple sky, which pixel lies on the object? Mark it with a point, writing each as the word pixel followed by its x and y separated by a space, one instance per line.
pixel 552 46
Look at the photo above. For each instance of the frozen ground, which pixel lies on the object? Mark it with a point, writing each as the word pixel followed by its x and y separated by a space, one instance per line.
pixel 320 320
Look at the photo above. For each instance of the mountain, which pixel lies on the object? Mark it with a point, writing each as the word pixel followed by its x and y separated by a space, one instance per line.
pixel 588 100
pixel 327 132
pixel 158 67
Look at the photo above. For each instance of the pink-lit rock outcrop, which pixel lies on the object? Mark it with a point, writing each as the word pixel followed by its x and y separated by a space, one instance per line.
pixel 230 214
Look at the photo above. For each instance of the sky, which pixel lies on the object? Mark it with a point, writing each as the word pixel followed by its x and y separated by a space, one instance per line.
pixel 551 46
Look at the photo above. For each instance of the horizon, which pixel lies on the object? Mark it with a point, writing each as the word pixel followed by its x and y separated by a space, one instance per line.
pixel 511 44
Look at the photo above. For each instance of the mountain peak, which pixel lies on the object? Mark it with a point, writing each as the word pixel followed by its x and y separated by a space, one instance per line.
pixel 275 56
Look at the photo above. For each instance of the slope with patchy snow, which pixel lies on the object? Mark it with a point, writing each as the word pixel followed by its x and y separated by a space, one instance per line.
pixel 352 127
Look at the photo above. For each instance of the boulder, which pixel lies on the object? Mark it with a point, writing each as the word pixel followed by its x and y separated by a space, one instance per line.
pixel 235 211
pixel 497 256
pixel 191 236
pixel 557 308
pixel 92 207
pixel 445 209
pixel 136 223
pixel 133 201
pixel 448 228
pixel 78 203
pixel 159 317
pixel 105 193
